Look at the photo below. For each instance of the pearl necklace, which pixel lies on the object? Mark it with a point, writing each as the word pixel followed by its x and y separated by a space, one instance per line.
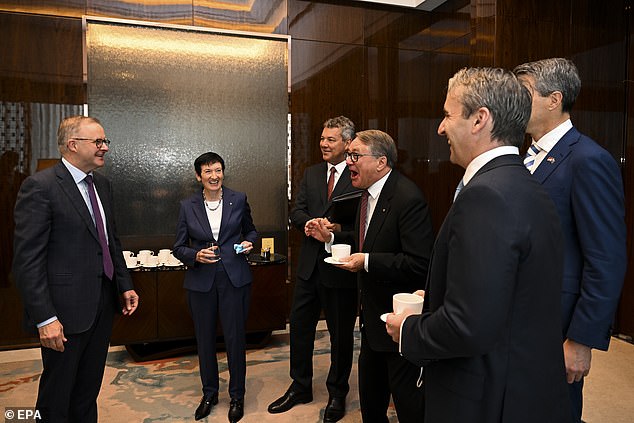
pixel 207 203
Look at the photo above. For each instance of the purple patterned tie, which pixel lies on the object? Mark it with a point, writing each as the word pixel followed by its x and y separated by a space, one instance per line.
pixel 108 268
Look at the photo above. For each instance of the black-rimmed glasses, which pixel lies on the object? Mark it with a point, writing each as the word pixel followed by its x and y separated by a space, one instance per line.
pixel 98 142
pixel 354 157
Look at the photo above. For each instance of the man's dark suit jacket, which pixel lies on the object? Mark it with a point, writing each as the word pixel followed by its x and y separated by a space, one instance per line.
pixel 585 183
pixel 193 232
pixel 312 201
pixel 57 256
pixel 398 239
pixel 489 334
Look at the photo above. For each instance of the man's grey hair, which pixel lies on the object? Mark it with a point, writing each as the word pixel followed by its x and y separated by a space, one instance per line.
pixel 69 127
pixel 506 98
pixel 344 124
pixel 380 144
pixel 556 74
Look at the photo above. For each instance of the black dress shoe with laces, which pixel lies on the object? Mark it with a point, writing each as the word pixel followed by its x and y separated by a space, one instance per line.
pixel 335 410
pixel 205 406
pixel 290 399
pixel 236 410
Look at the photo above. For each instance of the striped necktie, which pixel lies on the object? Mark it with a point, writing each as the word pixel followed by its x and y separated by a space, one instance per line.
pixel 458 188
pixel 531 155
pixel 331 181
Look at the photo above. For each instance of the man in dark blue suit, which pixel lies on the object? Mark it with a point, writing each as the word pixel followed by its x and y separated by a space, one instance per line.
pixel 70 270
pixel 320 285
pixel 585 183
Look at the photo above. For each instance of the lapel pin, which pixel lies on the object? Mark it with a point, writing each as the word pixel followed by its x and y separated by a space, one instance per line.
pixel 551 159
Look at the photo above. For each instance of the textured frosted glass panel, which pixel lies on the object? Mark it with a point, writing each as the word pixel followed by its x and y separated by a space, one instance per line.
pixel 165 96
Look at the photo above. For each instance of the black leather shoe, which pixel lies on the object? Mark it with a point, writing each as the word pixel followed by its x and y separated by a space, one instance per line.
pixel 289 400
pixel 335 410
pixel 236 410
pixel 205 406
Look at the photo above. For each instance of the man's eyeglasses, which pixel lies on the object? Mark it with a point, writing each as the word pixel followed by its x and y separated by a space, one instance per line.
pixel 98 142
pixel 354 157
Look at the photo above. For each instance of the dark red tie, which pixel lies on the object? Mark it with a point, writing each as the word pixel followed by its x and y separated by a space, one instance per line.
pixel 108 267
pixel 331 181
pixel 363 217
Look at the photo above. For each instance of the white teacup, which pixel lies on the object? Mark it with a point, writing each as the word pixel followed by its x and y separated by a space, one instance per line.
pixel 405 302
pixel 340 251
pixel 130 261
pixel 143 254
pixel 149 261
pixel 127 253
pixel 164 255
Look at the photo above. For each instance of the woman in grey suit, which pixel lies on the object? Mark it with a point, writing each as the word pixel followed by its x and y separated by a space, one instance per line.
pixel 214 234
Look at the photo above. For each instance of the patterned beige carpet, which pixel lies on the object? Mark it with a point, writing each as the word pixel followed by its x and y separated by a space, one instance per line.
pixel 168 390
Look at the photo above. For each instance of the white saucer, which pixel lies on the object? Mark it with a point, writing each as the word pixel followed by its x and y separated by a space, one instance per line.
pixel 384 317
pixel 173 264
pixel 134 266
pixel 149 265
pixel 331 260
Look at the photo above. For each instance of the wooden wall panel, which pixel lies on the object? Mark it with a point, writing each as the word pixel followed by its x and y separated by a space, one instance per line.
pixel 41 59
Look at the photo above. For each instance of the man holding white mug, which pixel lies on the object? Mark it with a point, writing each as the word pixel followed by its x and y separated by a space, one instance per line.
pixel 393 236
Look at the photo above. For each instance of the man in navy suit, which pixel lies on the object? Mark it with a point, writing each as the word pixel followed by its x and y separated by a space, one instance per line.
pixel 585 183
pixel 489 333
pixel 320 285
pixel 393 237
pixel 69 268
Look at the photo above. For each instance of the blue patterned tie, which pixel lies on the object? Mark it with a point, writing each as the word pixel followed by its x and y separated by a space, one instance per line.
pixel 108 267
pixel 458 188
pixel 531 155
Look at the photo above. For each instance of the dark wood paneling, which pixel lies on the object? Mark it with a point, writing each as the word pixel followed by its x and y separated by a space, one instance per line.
pixel 174 318
pixel 336 22
pixel 41 59
pixel 142 325
pixel 536 10
pixel 525 40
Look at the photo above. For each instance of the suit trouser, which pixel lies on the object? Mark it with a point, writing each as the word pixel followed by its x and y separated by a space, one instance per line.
pixel 232 304
pixel 384 373
pixel 340 310
pixel 576 400
pixel 71 380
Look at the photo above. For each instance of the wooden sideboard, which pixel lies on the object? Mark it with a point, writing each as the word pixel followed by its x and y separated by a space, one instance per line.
pixel 163 316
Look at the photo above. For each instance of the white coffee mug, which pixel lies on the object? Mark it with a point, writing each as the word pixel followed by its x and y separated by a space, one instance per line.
pixel 405 302
pixel 340 251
